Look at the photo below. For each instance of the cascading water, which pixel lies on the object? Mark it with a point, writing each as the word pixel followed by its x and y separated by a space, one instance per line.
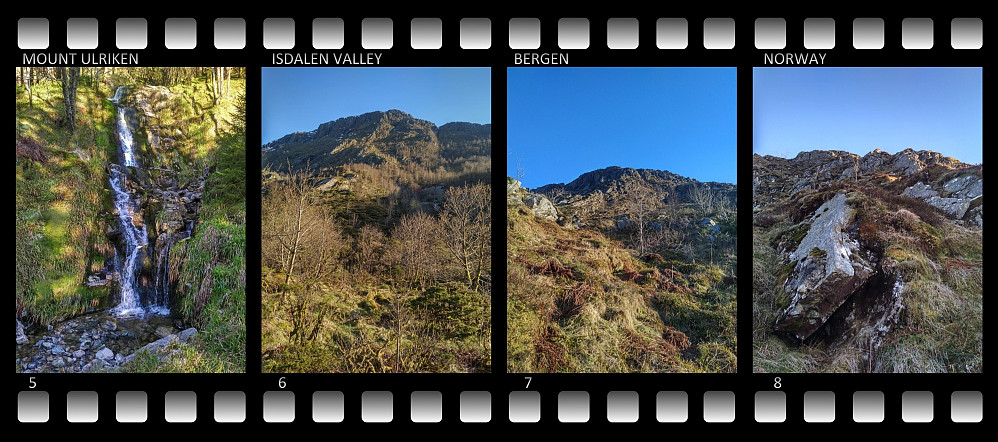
pixel 136 237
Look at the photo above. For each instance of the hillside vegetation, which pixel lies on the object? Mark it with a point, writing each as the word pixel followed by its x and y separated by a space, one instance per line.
pixel 582 298
pixel 59 186
pixel 377 254
pixel 920 311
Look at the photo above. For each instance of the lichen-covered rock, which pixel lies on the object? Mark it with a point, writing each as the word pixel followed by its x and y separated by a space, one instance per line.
pixel 541 206
pixel 955 197
pixel 967 186
pixel 829 269
pixel 955 207
pixel 920 190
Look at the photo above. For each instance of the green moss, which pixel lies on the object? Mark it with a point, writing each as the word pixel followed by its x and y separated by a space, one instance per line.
pixel 818 253
pixel 785 271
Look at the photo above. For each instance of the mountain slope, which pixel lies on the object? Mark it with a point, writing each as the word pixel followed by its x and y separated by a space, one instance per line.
pixel 581 297
pixel 376 138
pixel 867 264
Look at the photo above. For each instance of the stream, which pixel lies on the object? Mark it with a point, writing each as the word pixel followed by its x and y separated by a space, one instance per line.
pixel 105 339
pixel 136 238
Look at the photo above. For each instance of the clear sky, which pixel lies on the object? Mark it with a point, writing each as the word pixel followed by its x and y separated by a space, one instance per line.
pixel 861 109
pixel 300 99
pixel 563 122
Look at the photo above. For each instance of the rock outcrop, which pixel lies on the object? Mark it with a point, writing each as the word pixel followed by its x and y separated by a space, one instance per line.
pixel 828 269
pixel 956 197
pixel 541 206
pixel 943 182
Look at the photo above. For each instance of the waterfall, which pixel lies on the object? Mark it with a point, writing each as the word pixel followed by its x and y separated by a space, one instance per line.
pixel 136 238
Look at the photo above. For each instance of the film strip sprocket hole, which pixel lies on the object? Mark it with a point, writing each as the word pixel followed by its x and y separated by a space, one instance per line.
pixel 568 49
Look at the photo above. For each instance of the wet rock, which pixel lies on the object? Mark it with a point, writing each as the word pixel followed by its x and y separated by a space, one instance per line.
pixel 109 326
pixel 79 354
pixel 58 363
pixel 47 344
pixel 163 331
pixel 19 337
pixel 58 350
pixel 829 268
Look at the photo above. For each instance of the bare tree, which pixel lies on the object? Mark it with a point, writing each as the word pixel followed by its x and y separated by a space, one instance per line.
pixel 467 226
pixel 297 227
pixel 414 249
pixel 642 201
pixel 300 236
pixel 703 197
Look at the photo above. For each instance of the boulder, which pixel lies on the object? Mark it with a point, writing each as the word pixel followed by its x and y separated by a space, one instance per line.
pixel 19 337
pixel 541 206
pixel 105 354
pixel 955 207
pixel 512 191
pixel 967 186
pixel 829 268
pixel 919 190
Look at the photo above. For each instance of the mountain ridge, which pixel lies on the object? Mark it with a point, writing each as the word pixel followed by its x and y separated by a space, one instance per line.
pixel 378 137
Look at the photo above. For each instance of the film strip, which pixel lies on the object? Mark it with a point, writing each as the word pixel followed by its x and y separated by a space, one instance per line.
pixel 508 46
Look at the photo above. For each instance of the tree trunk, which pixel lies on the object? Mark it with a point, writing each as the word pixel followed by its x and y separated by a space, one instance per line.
pixel 31 79
pixel 70 78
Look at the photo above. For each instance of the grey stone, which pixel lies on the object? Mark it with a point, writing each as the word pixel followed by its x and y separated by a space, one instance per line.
pixel 955 207
pixel 186 334
pixel 19 337
pixel 512 191
pixel 105 354
pixel 541 207
pixel 828 270
pixel 919 190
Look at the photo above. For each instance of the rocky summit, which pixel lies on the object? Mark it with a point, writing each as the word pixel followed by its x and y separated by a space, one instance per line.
pixel 375 138
pixel 954 187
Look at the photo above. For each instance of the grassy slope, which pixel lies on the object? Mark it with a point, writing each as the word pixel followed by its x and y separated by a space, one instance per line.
pixel 210 267
pixel 940 329
pixel 58 238
pixel 611 314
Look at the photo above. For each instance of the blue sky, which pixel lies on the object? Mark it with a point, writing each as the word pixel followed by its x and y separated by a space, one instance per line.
pixel 861 109
pixel 300 99
pixel 563 122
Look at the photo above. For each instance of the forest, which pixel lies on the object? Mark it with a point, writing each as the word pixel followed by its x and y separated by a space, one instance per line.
pixel 130 219
pixel 381 266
